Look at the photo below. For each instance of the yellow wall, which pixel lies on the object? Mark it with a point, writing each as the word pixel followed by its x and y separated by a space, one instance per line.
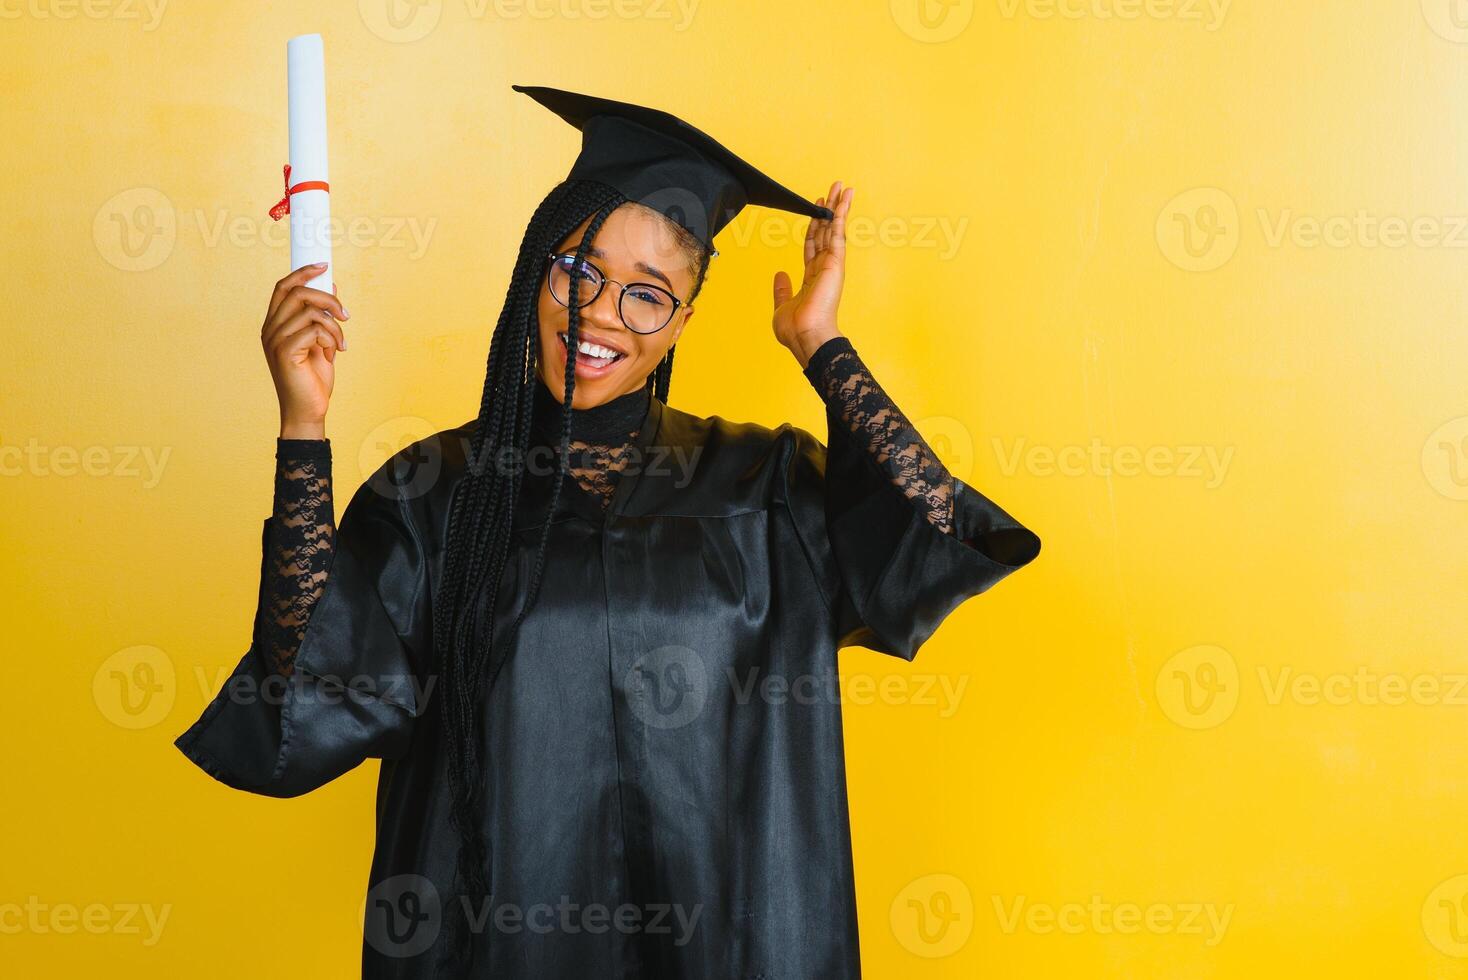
pixel 1180 284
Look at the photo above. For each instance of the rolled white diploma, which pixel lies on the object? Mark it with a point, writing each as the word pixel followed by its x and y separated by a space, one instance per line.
pixel 310 213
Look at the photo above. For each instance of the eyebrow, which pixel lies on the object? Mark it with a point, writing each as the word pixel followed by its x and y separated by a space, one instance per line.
pixel 641 266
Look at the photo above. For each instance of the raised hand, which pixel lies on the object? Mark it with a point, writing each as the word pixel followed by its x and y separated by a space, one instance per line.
pixel 806 319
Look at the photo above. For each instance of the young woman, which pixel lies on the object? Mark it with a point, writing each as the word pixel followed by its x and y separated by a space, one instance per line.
pixel 595 648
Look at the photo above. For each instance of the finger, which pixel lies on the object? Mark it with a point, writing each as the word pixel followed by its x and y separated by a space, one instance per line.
pixel 837 202
pixel 820 227
pixel 300 297
pixel 295 278
pixel 306 341
pixel 276 333
pixel 810 237
pixel 325 345
pixel 782 288
pixel 299 277
pixel 838 225
pixel 338 338
pixel 284 337
pixel 832 200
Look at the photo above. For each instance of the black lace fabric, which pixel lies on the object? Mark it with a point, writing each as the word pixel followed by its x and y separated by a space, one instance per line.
pixel 298 540
pixel 596 467
pixel 600 438
pixel 302 530
pixel 854 397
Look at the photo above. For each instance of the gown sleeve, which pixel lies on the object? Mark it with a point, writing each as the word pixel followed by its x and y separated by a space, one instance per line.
pixel 297 549
pixel 896 540
pixel 330 678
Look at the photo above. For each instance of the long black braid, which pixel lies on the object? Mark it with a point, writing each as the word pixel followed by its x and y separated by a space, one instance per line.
pixel 470 655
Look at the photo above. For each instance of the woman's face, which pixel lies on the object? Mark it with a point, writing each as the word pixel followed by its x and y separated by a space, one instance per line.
pixel 634 244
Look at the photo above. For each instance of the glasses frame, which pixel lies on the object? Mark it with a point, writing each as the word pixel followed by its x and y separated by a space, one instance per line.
pixel 552 257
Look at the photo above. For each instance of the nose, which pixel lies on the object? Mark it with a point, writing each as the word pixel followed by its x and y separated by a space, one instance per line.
pixel 602 311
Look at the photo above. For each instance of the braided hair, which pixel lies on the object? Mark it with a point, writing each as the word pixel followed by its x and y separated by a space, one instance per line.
pixel 479 538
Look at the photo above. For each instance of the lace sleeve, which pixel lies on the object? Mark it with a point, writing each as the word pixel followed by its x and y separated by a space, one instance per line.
pixel 298 544
pixel 853 397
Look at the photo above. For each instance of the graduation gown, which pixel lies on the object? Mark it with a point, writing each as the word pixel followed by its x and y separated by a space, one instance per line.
pixel 666 786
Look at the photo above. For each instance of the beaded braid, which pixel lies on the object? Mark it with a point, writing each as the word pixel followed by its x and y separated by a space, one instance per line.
pixel 481 514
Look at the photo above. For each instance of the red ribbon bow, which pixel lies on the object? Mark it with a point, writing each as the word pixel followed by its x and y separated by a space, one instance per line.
pixel 284 207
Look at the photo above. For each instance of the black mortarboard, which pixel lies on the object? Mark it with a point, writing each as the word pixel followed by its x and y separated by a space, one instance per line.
pixel 659 160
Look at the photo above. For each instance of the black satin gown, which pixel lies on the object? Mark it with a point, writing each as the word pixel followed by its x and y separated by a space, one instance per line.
pixel 667 791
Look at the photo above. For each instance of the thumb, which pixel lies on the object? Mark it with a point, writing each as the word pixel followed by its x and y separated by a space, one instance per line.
pixel 782 288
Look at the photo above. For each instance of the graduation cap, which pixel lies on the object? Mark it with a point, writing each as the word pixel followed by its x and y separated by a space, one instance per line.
pixel 657 159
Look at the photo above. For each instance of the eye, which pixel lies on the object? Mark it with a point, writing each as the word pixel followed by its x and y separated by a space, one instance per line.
pixel 567 264
pixel 648 295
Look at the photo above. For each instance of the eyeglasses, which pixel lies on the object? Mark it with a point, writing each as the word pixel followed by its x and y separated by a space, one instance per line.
pixel 643 307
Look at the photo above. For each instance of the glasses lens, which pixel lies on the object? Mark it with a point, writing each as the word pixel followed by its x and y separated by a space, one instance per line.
pixel 646 308
pixel 561 270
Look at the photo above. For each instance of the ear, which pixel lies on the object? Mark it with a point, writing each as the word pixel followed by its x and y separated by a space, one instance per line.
pixel 683 322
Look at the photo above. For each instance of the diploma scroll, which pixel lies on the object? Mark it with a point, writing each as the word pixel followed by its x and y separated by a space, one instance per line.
pixel 307 188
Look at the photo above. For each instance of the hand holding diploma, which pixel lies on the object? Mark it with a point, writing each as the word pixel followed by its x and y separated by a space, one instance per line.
pixel 301 335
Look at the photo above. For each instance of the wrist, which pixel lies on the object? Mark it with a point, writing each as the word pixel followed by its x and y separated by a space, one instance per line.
pixel 806 344
pixel 298 429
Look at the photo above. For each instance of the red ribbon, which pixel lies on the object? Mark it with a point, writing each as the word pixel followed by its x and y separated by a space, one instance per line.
pixel 284 207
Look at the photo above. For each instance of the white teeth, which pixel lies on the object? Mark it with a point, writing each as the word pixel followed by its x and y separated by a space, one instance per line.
pixel 593 350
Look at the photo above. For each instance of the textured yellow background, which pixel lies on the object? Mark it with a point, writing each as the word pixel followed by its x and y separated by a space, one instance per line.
pixel 1179 284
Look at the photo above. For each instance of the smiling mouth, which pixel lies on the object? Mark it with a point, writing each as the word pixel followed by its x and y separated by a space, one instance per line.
pixel 593 355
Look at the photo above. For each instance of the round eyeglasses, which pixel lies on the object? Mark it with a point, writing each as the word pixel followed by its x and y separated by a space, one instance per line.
pixel 643 307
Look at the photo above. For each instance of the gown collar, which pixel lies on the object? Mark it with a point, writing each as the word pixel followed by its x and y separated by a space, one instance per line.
pixel 651 429
pixel 610 423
